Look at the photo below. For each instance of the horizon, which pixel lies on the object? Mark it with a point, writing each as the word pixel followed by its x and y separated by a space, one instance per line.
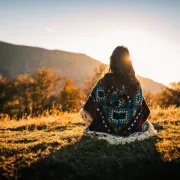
pixel 150 30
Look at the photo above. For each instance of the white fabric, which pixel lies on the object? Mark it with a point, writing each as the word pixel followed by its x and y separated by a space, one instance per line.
pixel 112 139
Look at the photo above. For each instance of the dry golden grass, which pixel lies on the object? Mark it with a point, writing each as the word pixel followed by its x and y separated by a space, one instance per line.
pixel 169 144
pixel 52 147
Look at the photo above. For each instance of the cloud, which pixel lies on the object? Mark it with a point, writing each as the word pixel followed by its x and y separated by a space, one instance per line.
pixel 50 30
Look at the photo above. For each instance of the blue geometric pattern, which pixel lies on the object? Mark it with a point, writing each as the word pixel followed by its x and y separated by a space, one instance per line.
pixel 118 107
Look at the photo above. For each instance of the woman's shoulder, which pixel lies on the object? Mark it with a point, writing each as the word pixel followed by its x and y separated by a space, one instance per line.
pixel 107 76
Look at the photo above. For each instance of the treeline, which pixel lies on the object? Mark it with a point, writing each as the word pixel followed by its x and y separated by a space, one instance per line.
pixel 45 90
pixel 167 97
pixel 41 91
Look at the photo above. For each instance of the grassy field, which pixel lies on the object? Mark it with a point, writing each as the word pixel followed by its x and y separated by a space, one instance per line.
pixel 53 147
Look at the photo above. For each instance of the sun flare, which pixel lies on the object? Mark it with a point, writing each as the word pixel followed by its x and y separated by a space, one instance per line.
pixel 151 56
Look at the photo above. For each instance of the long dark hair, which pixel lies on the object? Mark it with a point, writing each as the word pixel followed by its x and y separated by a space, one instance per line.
pixel 121 72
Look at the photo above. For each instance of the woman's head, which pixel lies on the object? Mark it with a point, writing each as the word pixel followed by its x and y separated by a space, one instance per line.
pixel 121 72
pixel 120 63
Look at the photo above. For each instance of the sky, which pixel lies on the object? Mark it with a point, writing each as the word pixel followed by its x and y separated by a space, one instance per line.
pixel 150 30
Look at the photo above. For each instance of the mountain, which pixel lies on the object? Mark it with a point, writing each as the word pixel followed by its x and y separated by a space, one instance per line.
pixel 19 59
pixel 150 85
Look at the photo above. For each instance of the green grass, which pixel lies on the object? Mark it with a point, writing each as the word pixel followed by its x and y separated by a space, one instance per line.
pixel 53 148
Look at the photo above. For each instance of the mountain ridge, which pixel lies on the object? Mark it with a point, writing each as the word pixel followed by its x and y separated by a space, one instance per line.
pixel 20 59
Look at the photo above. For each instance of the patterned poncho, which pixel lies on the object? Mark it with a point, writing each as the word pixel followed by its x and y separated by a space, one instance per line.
pixel 114 112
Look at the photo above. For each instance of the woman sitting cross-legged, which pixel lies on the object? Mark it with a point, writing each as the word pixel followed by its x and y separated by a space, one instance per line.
pixel 116 110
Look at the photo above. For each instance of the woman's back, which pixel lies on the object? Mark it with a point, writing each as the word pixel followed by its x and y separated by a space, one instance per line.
pixel 112 110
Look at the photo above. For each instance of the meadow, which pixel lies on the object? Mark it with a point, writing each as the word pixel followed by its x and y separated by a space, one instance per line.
pixel 53 147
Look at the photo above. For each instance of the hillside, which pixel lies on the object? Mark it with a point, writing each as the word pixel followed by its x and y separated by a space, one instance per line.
pixel 18 59
pixel 53 147
pixel 150 85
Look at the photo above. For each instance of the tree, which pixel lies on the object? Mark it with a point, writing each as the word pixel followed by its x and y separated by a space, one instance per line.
pixel 170 95
pixel 70 96
pixel 29 93
pixel 151 98
pixel 44 84
pixel 91 81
